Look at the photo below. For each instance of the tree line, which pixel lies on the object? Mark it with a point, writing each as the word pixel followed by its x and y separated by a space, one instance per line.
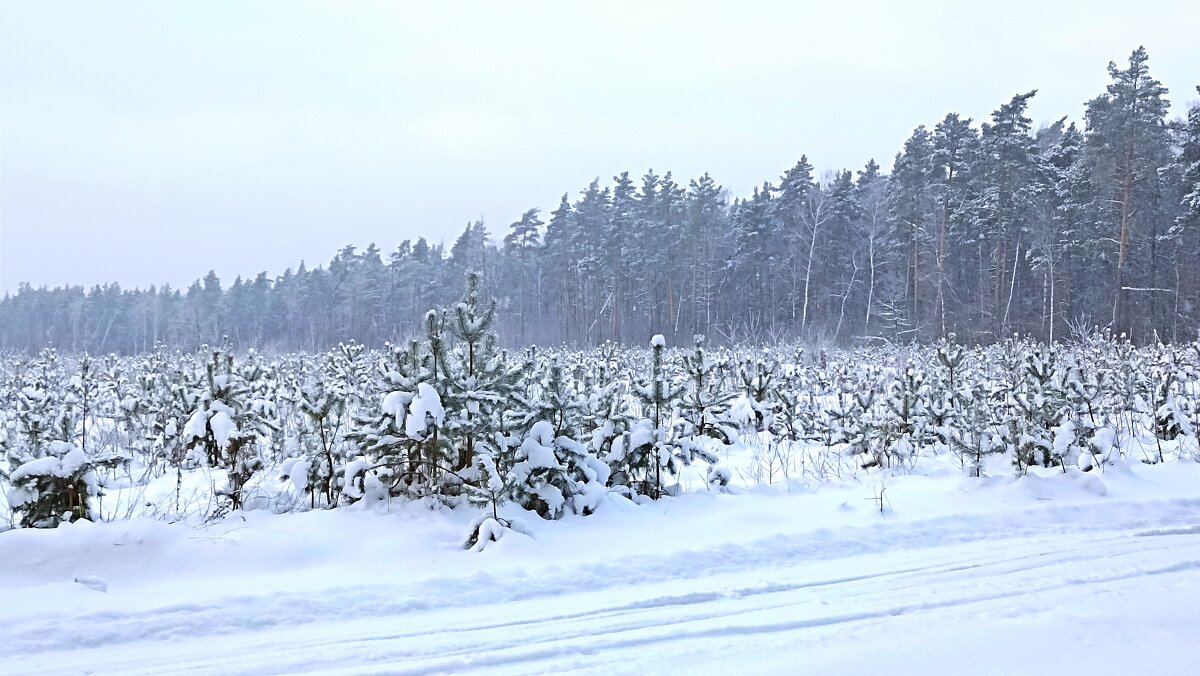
pixel 982 230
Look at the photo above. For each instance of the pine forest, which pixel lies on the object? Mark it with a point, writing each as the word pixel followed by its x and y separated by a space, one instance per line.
pixel 984 229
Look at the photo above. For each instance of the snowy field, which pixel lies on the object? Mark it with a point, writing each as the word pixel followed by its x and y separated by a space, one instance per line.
pixel 1049 573
pixel 1009 509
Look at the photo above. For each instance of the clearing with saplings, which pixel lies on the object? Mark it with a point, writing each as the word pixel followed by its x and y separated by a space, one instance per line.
pixel 450 506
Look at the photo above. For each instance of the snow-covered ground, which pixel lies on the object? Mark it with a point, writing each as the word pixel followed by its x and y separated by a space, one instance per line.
pixel 1079 573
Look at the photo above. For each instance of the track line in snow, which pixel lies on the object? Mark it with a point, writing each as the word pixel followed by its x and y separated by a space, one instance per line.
pixel 459 644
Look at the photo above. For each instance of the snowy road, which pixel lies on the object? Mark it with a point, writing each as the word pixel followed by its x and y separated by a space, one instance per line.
pixel 1109 588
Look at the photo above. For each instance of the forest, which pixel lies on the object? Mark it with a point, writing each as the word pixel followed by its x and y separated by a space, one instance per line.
pixel 453 419
pixel 981 229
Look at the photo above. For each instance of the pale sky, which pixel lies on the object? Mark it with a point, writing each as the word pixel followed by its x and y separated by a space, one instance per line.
pixel 148 142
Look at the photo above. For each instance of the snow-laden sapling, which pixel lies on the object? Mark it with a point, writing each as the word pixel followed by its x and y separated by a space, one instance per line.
pixel 702 420
pixel 401 443
pixel 55 487
pixel 1171 420
pixel 904 421
pixel 607 427
pixel 975 437
pixel 227 425
pixel 475 378
pixel 948 395
pixel 757 379
pixel 51 479
pixel 648 440
pixel 320 470
pixel 1038 406
pixel 488 493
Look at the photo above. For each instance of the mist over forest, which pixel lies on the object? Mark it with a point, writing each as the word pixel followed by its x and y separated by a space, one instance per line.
pixel 978 228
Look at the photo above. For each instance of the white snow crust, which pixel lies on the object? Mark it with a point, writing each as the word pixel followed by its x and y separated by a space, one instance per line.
pixel 1052 573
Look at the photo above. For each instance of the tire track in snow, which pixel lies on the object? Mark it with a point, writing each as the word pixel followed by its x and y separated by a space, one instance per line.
pixel 256 613
pixel 593 643
pixel 650 616
pixel 596 632
pixel 262 614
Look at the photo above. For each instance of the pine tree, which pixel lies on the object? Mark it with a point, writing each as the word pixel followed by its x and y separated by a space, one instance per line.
pixel 403 447
pixel 227 426
pixel 975 438
pixel 521 243
pixel 751 263
pixel 475 379
pixel 321 469
pixel 1185 231
pixel 1127 145
pixel 875 231
pixel 1189 160
pixel 1057 246
pixel 608 432
pixel 704 403
pixel 911 201
pixel 1010 180
pixel 649 438
pixel 950 395
pixel 955 154
pixel 1042 403
pixel 757 379
pixel 51 478
pixel 906 418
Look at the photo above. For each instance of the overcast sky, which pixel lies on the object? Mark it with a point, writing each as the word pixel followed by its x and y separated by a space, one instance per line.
pixel 149 142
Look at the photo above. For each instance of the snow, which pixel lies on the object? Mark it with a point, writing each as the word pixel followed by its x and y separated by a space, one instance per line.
pixel 490 530
pixel 425 404
pixel 223 428
pixel 741 410
pixel 1078 572
pixel 196 426
pixel 394 403
pixel 64 460
pixel 551 495
pixel 296 470
pixel 538 456
pixel 1064 438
